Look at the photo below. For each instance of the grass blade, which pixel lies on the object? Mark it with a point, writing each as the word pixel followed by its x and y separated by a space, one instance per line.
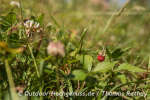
pixel 55 21
pixel 85 32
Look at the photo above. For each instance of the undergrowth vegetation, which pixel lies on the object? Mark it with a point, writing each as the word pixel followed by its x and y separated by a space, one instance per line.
pixel 80 53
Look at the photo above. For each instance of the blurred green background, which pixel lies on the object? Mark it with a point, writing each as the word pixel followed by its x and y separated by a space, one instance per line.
pixel 129 30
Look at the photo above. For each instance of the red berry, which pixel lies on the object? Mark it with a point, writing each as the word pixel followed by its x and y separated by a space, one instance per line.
pixel 100 58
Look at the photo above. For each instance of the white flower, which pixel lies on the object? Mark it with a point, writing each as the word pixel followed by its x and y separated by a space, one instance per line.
pixel 28 23
pixel 31 24
pixel 56 48
pixel 31 27
pixel 36 25
pixel 15 3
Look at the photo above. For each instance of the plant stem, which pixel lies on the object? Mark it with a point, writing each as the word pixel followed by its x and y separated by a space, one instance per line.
pixel 21 15
pixel 122 9
pixel 104 77
pixel 78 87
pixel 82 86
pixel 10 80
pixel 41 97
pixel 36 68
pixel 57 77
pixel 90 81
pixel 37 50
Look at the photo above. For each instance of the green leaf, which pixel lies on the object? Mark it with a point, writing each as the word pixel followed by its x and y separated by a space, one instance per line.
pixel 84 33
pixel 70 89
pixel 87 61
pixel 46 58
pixel 3 21
pixel 129 67
pixel 104 66
pixel 102 84
pixel 121 77
pixel 117 53
pixel 72 61
pixel 82 36
pixel 13 44
pixel 76 75
pixel 33 18
pixel 59 35
pixel 48 71
pixel 41 67
pixel 72 54
pixel 11 17
pixel 49 27
pixel 108 53
pixel 41 18
pixel 15 50
pixel 14 37
pixel 92 79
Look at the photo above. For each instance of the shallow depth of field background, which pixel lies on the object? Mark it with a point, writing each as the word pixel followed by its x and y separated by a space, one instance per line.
pixel 130 30
pixel 133 23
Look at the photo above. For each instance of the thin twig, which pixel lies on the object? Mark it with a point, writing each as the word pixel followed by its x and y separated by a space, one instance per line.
pixel 82 86
pixel 78 87
pixel 134 88
pixel 14 28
